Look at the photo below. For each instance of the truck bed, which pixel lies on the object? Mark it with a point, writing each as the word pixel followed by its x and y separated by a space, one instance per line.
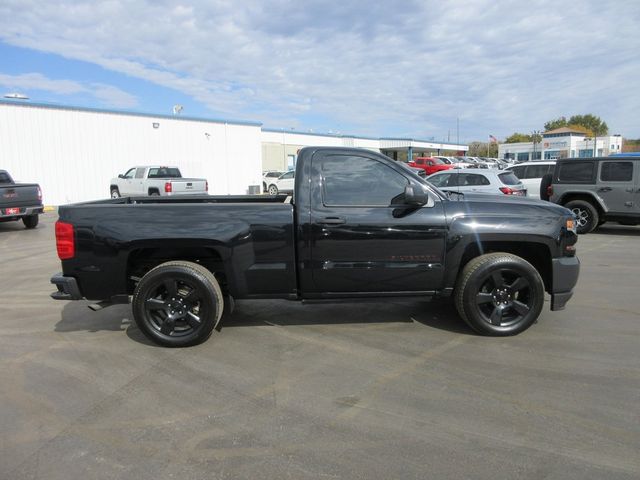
pixel 252 235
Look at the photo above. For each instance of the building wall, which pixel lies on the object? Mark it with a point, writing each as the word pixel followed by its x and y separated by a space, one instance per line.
pixel 562 147
pixel 73 153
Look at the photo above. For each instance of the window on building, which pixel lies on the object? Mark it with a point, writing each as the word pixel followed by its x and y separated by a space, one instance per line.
pixel 551 154
pixel 585 153
pixel 359 181
pixel 291 162
pixel 536 155
pixel 616 171
pixel 523 157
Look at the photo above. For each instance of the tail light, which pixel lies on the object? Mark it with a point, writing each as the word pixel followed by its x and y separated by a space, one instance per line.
pixel 65 240
pixel 206 186
pixel 167 187
pixel 507 190
pixel 39 194
pixel 550 191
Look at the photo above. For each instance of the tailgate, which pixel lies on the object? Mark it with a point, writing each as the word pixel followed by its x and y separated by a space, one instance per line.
pixel 188 186
pixel 20 196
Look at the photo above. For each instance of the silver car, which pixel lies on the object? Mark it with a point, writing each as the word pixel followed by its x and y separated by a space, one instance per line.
pixel 492 182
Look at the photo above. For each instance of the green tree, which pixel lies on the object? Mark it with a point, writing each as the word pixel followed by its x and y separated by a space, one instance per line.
pixel 557 123
pixel 518 138
pixel 479 149
pixel 591 122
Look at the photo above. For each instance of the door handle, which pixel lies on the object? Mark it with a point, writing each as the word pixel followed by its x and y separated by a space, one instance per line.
pixel 605 189
pixel 333 221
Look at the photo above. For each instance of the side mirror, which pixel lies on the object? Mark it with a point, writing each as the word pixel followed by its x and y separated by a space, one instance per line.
pixel 121 176
pixel 415 196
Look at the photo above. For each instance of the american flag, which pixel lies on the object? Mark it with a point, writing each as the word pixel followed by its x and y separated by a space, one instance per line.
pixel 493 139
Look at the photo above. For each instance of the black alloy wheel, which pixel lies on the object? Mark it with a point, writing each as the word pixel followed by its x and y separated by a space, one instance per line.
pixel 499 294
pixel 178 304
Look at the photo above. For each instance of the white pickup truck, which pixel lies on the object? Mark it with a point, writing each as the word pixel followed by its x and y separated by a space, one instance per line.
pixel 156 180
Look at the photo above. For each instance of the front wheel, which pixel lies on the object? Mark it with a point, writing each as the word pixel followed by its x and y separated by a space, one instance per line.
pixel 30 221
pixel 115 193
pixel 273 190
pixel 499 294
pixel 586 215
pixel 178 304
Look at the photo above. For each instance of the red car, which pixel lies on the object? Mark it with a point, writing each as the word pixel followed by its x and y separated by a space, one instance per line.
pixel 429 164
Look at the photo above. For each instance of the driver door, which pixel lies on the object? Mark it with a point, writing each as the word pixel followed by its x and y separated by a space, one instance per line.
pixel 363 238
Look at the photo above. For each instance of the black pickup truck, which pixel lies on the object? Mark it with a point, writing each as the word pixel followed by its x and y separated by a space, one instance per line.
pixel 358 225
pixel 19 201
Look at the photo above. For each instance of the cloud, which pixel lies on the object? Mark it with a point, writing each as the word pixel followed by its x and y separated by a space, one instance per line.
pixel 105 94
pixel 385 68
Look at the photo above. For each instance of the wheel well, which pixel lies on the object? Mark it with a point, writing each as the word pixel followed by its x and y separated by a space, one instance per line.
pixel 537 254
pixel 582 196
pixel 153 190
pixel 142 260
pixel 114 187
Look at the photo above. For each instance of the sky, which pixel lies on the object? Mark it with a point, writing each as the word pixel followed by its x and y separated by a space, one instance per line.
pixel 411 69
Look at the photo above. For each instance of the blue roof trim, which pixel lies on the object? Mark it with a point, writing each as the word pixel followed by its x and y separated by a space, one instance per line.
pixel 56 106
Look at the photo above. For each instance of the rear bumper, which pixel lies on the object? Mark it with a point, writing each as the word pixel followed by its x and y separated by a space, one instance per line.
pixel 67 288
pixel 565 272
pixel 23 211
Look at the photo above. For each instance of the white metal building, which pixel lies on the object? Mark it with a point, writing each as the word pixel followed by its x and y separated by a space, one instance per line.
pixel 73 152
pixel 561 143
pixel 280 147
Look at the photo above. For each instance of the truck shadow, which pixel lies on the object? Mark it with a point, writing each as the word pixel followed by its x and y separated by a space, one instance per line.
pixel 77 317
pixel 438 314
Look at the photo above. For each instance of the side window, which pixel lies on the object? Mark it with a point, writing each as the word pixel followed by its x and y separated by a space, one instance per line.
pixel 287 175
pixel 616 171
pixel 419 161
pixel 440 180
pixel 140 173
pixel 575 171
pixel 130 173
pixel 536 171
pixel 475 180
pixel 359 181
pixel 519 171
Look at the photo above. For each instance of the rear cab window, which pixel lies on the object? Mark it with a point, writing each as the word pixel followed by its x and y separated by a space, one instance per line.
pixel 5 178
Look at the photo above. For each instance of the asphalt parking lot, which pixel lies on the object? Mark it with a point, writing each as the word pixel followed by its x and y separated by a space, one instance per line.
pixel 375 390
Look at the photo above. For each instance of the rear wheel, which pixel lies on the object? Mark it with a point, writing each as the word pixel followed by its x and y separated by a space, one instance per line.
pixel 178 304
pixel 273 190
pixel 499 294
pixel 30 221
pixel 586 215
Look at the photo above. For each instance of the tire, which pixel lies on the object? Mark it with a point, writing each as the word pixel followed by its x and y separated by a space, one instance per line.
pixel 545 183
pixel 154 193
pixel 30 221
pixel 499 294
pixel 587 217
pixel 273 190
pixel 115 193
pixel 178 304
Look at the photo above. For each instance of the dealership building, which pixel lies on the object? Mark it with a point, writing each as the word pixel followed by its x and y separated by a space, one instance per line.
pixel 561 143
pixel 73 152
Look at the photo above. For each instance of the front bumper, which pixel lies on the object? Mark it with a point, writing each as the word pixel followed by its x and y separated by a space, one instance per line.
pixel 67 288
pixel 565 273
